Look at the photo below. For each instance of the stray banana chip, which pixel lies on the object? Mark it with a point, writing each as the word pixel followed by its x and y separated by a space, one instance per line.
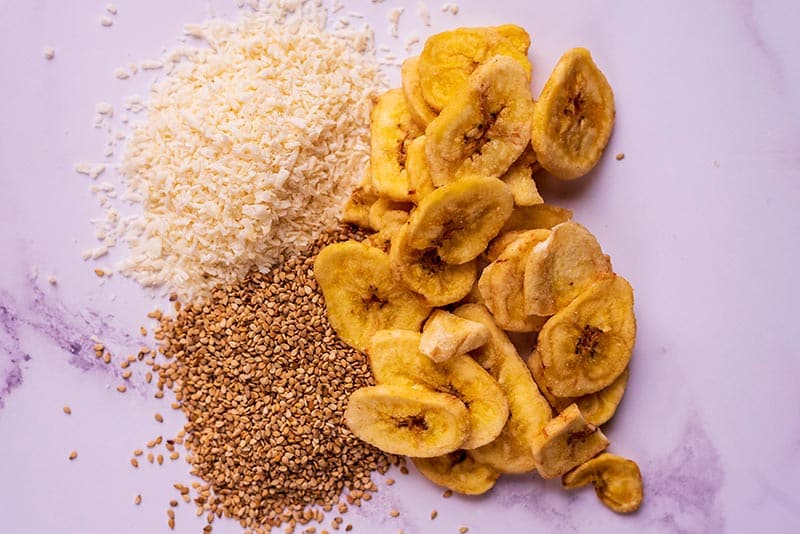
pixel 449 58
pixel 573 118
pixel 445 335
pixel 392 128
pixel 412 421
pixel 485 126
pixel 510 452
pixel 536 216
pixel 361 294
pixel 424 272
pixel 419 175
pixel 616 480
pixel 412 90
pixel 458 471
pixel 501 284
pixel 598 407
pixel 562 267
pixel 395 359
pixel 519 178
pixel 565 442
pixel 587 345
pixel 459 219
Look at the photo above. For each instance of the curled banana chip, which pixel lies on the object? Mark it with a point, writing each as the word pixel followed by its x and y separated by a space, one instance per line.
pixel 587 345
pixel 392 128
pixel 445 335
pixel 361 294
pixel 516 35
pixel 616 480
pixel 565 442
pixel 412 90
pixel 510 452
pixel 459 219
pixel 449 58
pixel 458 471
pixel 485 126
pixel 598 407
pixel 424 272
pixel 519 178
pixel 407 420
pixel 536 216
pixel 419 175
pixel 562 267
pixel 395 359
pixel 501 284
pixel 388 214
pixel 573 118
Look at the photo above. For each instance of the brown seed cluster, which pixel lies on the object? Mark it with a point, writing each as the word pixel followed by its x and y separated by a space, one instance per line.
pixel 264 380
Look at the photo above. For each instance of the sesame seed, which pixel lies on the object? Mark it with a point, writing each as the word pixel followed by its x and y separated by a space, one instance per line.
pixel 107 357
pixel 390 482
pixel 73 455
pixel 126 374
pixel 394 513
pixel 49 53
pixel 134 462
pixel 158 418
pixel 137 500
pixel 434 513
pixel 463 530
pixel 447 494
pixel 174 456
pixel 106 21
pixel 67 410
pixel 137 452
pixel 620 156
pixel 99 272
pixel 121 388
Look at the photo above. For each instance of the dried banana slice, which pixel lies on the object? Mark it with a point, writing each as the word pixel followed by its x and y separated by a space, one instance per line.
pixel 424 272
pixel 565 442
pixel 587 345
pixel 459 219
pixel 536 216
pixel 407 420
pixel 573 118
pixel 412 90
pixel 562 267
pixel 484 127
pixel 356 208
pixel 445 335
pixel 510 452
pixel 395 359
pixel 450 57
pixel 458 471
pixel 419 175
pixel 501 284
pixel 516 35
pixel 388 214
pixel 361 294
pixel 598 407
pixel 392 128
pixel 519 178
pixel 617 481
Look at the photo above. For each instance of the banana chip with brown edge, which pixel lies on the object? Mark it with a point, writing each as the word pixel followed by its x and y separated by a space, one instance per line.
pixel 406 420
pixel 566 442
pixel 536 216
pixel 419 175
pixel 361 294
pixel 395 359
pixel 458 471
pixel 616 480
pixel 574 116
pixel 357 206
pixel 459 219
pixel 519 178
pixel 598 407
pixel 412 90
pixel 424 272
pixel 444 335
pixel 562 267
pixel 501 283
pixel 587 345
pixel 392 128
pixel 510 452
pixel 449 58
pixel 484 127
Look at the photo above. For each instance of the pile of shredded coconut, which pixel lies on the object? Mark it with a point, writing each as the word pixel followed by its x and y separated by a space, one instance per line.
pixel 249 147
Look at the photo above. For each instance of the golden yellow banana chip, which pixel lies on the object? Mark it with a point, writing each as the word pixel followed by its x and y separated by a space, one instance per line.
pixel 458 471
pixel 419 175
pixel 361 294
pixel 459 219
pixel 510 452
pixel 616 480
pixel 536 216
pixel 501 284
pixel 516 35
pixel 484 127
pixel 392 128
pixel 356 207
pixel 587 345
pixel 519 178
pixel 389 214
pixel 444 335
pixel 562 267
pixel 412 90
pixel 449 58
pixel 395 359
pixel 598 407
pixel 412 421
pixel 424 272
pixel 565 442
pixel 573 118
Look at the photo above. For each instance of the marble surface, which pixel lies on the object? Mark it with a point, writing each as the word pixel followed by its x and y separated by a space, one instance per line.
pixel 700 216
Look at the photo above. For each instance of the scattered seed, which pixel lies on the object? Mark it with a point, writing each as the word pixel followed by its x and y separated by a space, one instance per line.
pixel 73 455
pixel 137 452
pixel 67 410
pixel 620 156
pixel 159 418
pixel 390 482
pixel 107 357
pixel 394 513
pixel 404 469
pixel 99 272
pixel 121 388
pixel 137 500
pixel 173 503
pixel 463 530
pixel 447 494
pixel 174 456
pixel 150 457
pixel 171 523
pixel 126 374
pixel 160 459
pixel 434 513
pixel 134 462
pixel 348 528
pixel 158 394
pixel 143 330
